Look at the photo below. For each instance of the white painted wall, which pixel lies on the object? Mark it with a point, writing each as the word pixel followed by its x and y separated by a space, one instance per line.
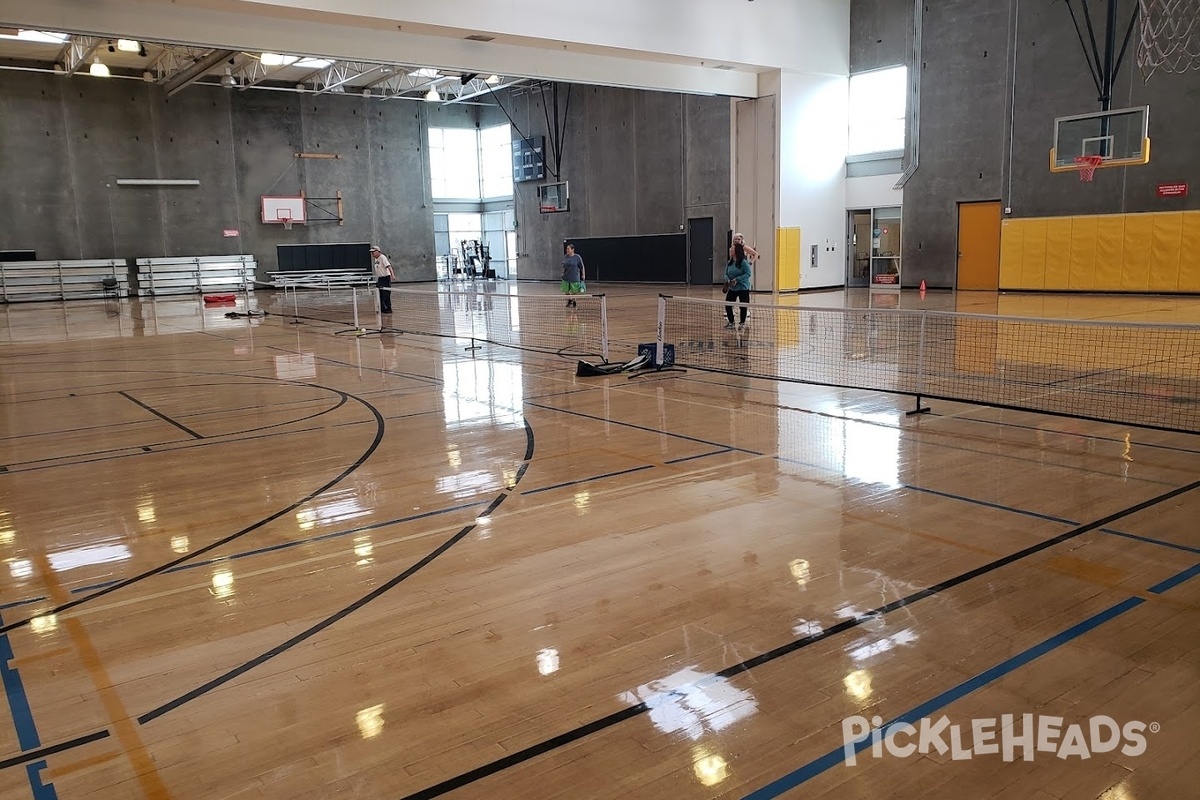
pixel 787 34
pixel 873 191
pixel 812 171
pixel 650 44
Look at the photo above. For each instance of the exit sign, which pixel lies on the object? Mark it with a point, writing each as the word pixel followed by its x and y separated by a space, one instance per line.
pixel 1172 190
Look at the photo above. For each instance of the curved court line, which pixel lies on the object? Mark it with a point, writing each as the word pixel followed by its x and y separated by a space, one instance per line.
pixel 374 594
pixel 608 721
pixel 379 429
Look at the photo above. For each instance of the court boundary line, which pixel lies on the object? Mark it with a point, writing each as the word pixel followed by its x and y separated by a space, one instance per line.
pixel 824 763
pixel 345 473
pixel 529 753
pixel 159 414
pixel 344 612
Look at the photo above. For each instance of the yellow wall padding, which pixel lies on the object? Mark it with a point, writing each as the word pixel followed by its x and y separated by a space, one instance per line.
pixel 787 259
pixel 1058 253
pixel 1189 253
pixel 1135 265
pixel 1033 261
pixel 1110 243
pixel 1166 239
pixel 1012 240
pixel 1083 254
pixel 1149 252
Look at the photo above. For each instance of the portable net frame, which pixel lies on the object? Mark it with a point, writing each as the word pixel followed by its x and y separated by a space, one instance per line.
pixel 1169 38
pixel 1127 373
pixel 541 323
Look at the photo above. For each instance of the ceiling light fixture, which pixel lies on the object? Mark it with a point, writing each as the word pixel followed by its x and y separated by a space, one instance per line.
pixel 227 80
pixel 493 79
pixel 128 45
pixel 271 60
pixel 98 69
pixel 432 96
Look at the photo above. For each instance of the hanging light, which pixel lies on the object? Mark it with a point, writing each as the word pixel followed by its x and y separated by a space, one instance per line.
pixel 227 80
pixel 98 69
pixel 493 79
pixel 128 45
pixel 432 96
pixel 271 60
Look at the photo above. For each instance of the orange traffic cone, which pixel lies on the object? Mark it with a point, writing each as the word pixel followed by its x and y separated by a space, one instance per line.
pixel 922 289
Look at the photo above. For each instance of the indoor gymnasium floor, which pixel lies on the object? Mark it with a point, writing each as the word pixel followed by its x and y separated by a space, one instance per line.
pixel 252 559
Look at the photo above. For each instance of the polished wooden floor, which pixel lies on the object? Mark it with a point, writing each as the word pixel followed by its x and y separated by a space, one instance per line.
pixel 251 559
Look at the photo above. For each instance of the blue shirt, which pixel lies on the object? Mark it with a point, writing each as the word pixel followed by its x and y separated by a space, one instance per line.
pixel 739 273
pixel 572 268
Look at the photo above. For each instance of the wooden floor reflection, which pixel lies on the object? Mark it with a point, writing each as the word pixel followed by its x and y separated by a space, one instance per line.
pixel 252 559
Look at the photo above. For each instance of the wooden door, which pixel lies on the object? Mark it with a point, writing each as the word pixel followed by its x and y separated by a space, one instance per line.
pixel 979 246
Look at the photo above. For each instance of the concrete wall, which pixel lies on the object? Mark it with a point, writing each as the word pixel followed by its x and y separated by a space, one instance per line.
pixel 66 140
pixel 994 75
pixel 879 33
pixel 637 162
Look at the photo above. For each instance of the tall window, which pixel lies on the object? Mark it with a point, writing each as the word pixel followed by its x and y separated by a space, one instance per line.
pixel 470 164
pixel 878 100
pixel 454 163
pixel 495 155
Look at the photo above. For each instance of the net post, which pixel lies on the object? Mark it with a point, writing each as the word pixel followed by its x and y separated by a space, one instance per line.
pixel 662 324
pixel 604 328
pixel 471 316
pixel 295 303
pixel 920 369
pixel 354 298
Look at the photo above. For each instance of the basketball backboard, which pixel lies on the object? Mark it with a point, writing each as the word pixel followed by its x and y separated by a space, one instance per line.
pixel 283 210
pixel 1120 137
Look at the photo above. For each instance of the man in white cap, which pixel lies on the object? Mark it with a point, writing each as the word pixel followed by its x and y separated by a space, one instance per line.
pixel 383 278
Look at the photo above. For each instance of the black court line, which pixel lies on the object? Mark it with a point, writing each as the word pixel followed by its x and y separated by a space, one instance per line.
pixel 1059 432
pixel 379 430
pixel 589 480
pixel 583 731
pixel 641 428
pixel 207 439
pixel 379 591
pixel 161 415
pixel 171 446
pixel 49 750
pixel 933 434
pixel 720 452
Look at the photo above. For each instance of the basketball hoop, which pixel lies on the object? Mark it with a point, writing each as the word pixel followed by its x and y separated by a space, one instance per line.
pixel 1087 167
pixel 284 215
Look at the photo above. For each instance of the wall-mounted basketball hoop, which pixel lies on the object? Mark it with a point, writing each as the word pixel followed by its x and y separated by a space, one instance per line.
pixel 1087 167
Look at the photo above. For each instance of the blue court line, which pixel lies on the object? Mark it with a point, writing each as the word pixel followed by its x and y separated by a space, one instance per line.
pixel 834 757
pixel 22 719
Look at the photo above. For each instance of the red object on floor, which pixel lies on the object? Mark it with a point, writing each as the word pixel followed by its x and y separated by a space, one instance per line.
pixel 922 290
pixel 219 298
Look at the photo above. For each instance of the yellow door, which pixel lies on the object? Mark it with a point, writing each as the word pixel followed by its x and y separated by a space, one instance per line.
pixel 979 246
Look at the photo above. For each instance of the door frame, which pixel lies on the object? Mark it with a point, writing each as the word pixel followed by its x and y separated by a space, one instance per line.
pixel 958 237
pixel 691 279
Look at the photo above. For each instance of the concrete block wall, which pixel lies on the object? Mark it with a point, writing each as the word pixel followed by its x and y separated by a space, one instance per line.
pixel 67 140
pixel 638 163
pixel 994 75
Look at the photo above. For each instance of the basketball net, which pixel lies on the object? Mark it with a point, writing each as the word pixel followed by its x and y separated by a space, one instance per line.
pixel 286 220
pixel 1170 36
pixel 1087 166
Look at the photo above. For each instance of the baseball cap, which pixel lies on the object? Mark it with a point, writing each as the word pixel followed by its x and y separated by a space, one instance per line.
pixel 374 247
